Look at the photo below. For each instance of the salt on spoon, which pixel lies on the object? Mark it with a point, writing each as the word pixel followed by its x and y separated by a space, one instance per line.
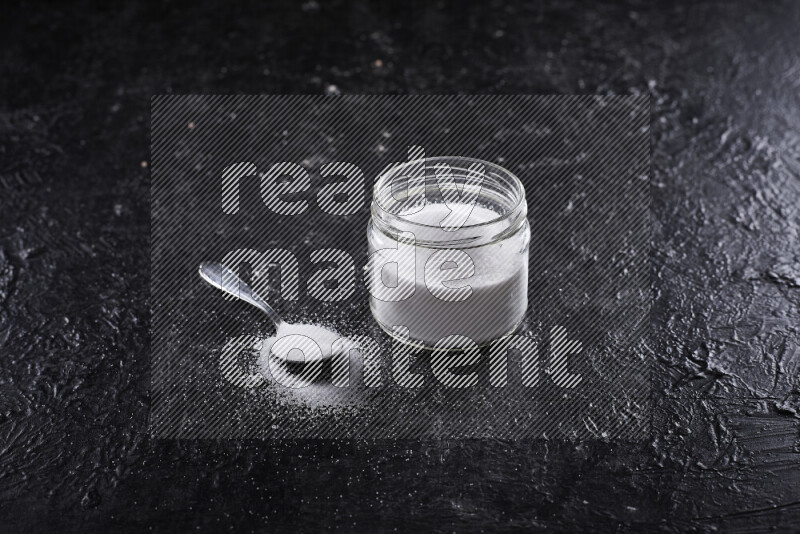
pixel 223 278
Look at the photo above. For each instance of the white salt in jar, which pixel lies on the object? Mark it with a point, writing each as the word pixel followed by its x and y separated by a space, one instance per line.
pixel 448 243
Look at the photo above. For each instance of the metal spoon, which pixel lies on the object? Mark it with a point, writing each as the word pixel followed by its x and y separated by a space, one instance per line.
pixel 223 278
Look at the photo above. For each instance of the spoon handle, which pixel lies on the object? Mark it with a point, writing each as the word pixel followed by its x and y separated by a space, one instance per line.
pixel 223 278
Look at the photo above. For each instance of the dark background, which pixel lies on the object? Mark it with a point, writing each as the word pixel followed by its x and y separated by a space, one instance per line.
pixel 75 87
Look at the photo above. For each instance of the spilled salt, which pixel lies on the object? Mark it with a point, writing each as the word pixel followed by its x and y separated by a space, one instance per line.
pixel 293 384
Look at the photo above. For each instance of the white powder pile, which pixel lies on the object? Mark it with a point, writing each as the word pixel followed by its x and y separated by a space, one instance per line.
pixel 499 283
pixel 301 349
pixel 291 383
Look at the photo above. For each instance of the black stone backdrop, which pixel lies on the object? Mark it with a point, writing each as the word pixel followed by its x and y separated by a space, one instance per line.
pixel 75 88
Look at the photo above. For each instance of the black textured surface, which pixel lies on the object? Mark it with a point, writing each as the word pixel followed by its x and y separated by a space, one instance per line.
pixel 75 87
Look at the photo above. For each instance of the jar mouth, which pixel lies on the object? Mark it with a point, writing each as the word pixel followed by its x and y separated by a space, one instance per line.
pixel 491 198
pixel 504 182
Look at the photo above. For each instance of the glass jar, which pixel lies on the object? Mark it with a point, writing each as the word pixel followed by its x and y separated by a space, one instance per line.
pixel 448 242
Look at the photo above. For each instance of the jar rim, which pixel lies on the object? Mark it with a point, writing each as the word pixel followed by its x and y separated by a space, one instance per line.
pixel 513 181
